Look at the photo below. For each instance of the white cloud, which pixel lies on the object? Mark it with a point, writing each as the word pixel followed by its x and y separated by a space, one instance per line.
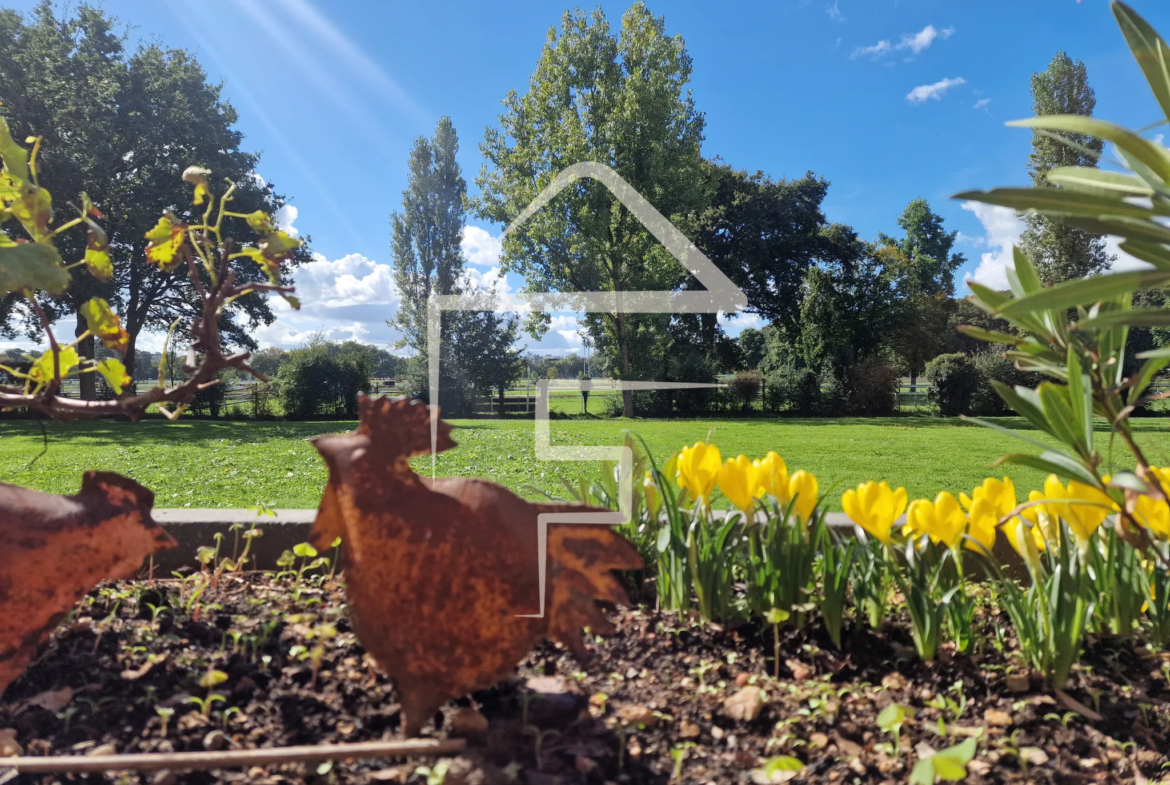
pixel 480 247
pixel 933 91
pixel 285 217
pixel 914 42
pixel 982 103
pixel 347 298
pixel 351 280
pixel 834 12
pixel 1002 229
pixel 734 324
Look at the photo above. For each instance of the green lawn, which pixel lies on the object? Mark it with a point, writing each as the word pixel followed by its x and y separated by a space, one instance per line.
pixel 240 464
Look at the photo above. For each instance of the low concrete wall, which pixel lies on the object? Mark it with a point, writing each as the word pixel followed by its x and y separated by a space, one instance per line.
pixel 193 527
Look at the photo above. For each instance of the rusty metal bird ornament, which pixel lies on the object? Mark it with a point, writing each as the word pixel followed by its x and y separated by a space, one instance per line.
pixel 442 582
pixel 54 549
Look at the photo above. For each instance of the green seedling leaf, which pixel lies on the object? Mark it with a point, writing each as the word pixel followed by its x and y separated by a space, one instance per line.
pixel 305 550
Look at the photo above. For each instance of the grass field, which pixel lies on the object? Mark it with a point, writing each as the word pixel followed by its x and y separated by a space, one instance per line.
pixel 202 463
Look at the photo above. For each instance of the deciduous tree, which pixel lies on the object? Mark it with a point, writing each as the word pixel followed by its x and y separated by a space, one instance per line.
pixel 620 100
pixel 123 125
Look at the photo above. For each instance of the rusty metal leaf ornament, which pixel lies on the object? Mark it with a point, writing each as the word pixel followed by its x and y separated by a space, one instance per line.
pixel 438 578
pixel 54 549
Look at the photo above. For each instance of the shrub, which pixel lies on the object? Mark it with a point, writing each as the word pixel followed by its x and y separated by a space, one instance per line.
pixel 318 380
pixel 745 387
pixel 953 380
pixel 209 401
pixel 873 388
pixel 985 401
pixel 793 389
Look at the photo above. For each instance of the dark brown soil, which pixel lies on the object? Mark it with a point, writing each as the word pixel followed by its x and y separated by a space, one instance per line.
pixel 99 684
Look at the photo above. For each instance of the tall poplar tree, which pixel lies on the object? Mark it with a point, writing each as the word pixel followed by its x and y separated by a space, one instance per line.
pixel 617 99
pixel 1061 252
pixel 426 253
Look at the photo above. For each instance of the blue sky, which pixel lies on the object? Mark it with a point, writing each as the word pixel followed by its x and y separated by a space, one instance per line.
pixel 888 99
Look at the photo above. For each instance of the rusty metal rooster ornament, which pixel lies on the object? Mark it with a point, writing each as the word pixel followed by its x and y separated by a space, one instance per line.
pixel 442 578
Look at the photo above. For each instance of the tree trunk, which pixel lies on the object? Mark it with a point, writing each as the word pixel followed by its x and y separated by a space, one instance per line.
pixel 503 411
pixel 87 381
pixel 624 349
pixel 128 360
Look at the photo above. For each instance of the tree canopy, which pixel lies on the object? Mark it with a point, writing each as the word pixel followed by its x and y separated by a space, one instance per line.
pixel 619 99
pixel 122 126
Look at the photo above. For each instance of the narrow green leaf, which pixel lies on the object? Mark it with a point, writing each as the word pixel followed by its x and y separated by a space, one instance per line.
pixel 1059 412
pixel 1080 397
pixel 1121 225
pixel 1062 201
pixel 1145 375
pixel 1053 463
pixel 1085 291
pixel 1025 402
pixel 1152 353
pixel 1151 253
pixel 1136 317
pixel 1149 50
pixel 1092 180
pixel 991 336
pixel 1128 481
pixel 986 296
pixel 1143 149
pixel 1026 271
pixel 1007 431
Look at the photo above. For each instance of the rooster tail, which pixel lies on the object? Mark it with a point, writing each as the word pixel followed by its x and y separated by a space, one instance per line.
pixel 582 558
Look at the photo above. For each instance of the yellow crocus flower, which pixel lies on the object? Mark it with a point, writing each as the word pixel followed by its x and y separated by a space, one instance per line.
pixel 697 467
pixel 942 520
pixel 1025 539
pixel 1043 517
pixel 1154 514
pixel 772 476
pixel 737 480
pixel 1083 519
pixel 802 490
pixel 875 507
pixel 650 491
pixel 983 517
pixel 1000 493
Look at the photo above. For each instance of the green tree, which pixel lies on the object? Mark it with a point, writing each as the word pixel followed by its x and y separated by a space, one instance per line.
pixel 1061 252
pixel 848 307
pixel 922 267
pixel 426 251
pixel 620 100
pixel 112 121
pixel 765 234
pixel 751 347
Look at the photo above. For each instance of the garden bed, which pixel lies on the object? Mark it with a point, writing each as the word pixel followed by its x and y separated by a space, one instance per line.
pixel 115 668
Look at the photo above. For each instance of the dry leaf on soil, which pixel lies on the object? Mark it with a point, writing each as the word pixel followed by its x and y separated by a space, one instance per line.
pixel 54 549
pixel 437 579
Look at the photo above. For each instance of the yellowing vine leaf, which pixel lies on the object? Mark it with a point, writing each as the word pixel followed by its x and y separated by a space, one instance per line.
pixel 105 324
pixel 32 266
pixel 443 581
pixel 42 370
pixel 114 372
pixel 54 549
pixel 166 238
pixel 14 156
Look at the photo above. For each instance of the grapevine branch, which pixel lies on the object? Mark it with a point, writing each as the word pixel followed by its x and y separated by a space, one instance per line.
pixel 206 342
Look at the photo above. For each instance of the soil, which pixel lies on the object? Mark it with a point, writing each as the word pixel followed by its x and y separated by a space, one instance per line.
pixel 648 708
